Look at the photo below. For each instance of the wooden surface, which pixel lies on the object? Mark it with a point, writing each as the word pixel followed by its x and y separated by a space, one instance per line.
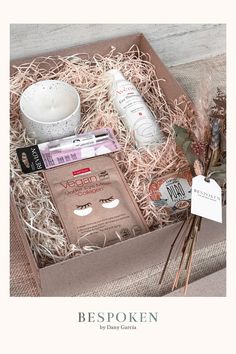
pixel 175 43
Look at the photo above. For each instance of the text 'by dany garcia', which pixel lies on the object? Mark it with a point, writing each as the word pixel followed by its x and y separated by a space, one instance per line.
pixel 118 320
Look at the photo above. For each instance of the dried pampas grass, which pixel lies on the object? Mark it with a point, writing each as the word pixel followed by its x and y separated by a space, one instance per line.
pixel 31 194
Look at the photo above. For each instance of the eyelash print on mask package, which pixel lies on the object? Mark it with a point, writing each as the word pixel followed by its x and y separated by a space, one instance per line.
pixel 94 203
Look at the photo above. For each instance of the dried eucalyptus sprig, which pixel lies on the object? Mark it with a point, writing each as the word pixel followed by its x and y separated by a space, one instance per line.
pixel 209 160
pixel 214 147
pixel 218 111
pixel 184 141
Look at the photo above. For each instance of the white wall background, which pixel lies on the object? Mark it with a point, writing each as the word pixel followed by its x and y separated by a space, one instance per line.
pixel 174 43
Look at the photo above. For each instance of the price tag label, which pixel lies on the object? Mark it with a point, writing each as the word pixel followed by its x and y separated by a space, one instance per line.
pixel 206 198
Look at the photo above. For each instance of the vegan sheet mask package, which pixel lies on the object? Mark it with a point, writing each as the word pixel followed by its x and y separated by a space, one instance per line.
pixel 94 202
pixel 172 191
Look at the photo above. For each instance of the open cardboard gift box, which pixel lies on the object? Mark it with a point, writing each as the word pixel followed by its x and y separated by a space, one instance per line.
pixel 84 272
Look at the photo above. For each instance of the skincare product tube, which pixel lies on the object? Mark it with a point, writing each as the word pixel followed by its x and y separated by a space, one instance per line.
pixel 135 114
pixel 66 150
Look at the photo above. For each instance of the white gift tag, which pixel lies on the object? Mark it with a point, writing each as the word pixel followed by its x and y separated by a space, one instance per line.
pixel 206 198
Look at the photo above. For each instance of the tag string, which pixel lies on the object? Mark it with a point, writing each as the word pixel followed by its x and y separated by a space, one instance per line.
pixel 207 178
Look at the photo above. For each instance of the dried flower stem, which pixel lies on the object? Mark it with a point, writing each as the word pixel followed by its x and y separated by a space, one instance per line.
pixel 171 249
pixel 194 220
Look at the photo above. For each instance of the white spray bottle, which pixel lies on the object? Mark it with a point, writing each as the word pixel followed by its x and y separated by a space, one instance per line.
pixel 135 114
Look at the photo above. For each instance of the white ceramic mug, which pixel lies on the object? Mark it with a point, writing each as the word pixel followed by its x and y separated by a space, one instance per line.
pixel 50 110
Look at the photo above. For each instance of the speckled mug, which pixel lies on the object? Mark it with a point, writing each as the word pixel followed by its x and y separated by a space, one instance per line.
pixel 50 110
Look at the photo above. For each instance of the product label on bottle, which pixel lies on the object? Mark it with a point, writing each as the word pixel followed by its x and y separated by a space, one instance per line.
pixel 136 115
pixel 172 191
